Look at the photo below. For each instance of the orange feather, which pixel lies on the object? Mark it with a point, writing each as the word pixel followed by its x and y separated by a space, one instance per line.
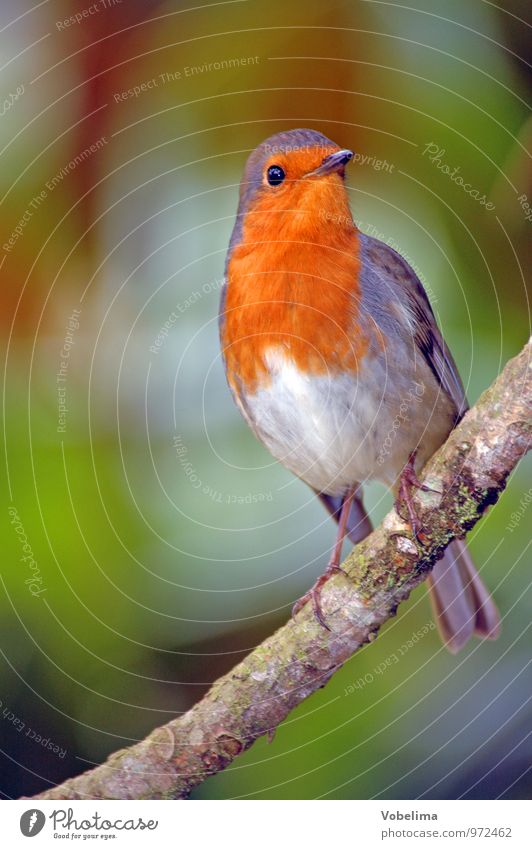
pixel 293 280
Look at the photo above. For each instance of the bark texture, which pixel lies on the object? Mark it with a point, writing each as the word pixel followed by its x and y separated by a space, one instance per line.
pixel 469 472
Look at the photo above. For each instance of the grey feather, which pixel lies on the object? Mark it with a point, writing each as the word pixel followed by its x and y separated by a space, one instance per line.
pixel 389 284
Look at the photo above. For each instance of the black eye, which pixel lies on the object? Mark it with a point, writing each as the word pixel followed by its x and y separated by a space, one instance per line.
pixel 275 175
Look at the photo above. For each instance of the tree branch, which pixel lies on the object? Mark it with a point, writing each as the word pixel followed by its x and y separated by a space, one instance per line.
pixel 469 472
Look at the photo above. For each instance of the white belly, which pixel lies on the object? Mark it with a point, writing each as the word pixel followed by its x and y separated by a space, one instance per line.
pixel 336 431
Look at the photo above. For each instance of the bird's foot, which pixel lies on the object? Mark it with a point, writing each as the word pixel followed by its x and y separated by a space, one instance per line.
pixel 314 595
pixel 408 481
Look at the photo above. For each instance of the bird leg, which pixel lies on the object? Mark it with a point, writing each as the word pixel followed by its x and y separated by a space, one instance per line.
pixel 408 480
pixel 314 594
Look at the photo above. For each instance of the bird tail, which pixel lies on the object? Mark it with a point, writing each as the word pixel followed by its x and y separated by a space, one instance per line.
pixel 461 603
pixel 358 525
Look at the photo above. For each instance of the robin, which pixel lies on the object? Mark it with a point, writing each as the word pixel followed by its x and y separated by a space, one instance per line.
pixel 334 358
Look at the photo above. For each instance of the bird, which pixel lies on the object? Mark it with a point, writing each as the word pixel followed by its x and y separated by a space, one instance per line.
pixel 333 355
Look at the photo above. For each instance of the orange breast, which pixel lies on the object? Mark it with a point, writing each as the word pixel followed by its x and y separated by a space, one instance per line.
pixel 298 294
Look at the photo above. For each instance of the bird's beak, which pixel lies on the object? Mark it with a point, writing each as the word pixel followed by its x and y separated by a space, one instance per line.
pixel 332 163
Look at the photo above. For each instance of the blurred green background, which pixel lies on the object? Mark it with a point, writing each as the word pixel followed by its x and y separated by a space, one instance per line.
pixel 165 541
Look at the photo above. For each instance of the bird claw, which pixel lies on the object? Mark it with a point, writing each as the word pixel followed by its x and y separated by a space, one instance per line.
pixel 409 480
pixel 314 595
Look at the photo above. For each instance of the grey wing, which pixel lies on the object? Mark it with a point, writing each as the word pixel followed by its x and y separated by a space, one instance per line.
pixel 384 271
